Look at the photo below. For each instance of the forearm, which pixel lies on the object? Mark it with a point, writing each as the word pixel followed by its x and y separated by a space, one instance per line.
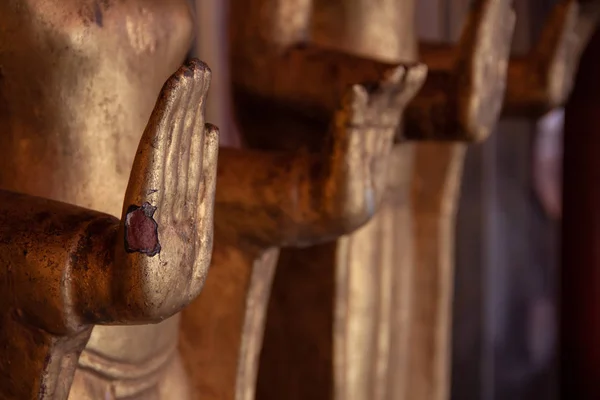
pixel 95 276
pixel 282 199
pixel 525 92
pixel 35 363
pixel 432 114
pixel 94 290
pixel 66 267
pixel 260 195
pixel 43 253
pixel 309 78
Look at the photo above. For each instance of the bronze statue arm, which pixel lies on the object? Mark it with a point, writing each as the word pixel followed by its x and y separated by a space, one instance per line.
pixel 535 83
pixel 284 199
pixel 462 97
pixel 307 76
pixel 281 199
pixel 542 80
pixel 46 247
pixel 273 57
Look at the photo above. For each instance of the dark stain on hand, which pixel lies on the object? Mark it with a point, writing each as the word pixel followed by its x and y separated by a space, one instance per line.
pixel 141 230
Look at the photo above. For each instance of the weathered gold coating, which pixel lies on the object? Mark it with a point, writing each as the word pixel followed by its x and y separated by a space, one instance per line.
pixel 78 82
pixel 66 268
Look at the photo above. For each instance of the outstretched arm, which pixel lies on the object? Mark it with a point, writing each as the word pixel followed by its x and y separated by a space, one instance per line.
pixel 282 199
pixel 543 79
pixel 462 97
pixel 44 247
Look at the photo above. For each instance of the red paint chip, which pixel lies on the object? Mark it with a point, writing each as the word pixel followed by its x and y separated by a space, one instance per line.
pixel 141 230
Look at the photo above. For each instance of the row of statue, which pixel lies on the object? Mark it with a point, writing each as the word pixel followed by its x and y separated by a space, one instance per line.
pixel 140 260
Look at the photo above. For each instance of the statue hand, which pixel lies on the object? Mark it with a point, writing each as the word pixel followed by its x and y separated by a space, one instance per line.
pixel 167 220
pixel 363 134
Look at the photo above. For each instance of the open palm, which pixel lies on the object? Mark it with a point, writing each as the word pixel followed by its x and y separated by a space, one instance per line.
pixel 167 218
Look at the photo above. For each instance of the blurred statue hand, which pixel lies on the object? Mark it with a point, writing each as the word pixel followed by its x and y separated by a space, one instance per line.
pixel 363 135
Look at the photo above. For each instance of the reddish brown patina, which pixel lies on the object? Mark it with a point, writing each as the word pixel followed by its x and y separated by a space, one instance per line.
pixel 141 230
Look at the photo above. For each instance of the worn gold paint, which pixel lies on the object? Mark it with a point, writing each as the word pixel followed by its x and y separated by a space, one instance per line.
pixel 66 269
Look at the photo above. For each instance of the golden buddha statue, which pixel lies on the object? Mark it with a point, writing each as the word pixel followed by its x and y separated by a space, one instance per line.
pixel 66 268
pixel 78 82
